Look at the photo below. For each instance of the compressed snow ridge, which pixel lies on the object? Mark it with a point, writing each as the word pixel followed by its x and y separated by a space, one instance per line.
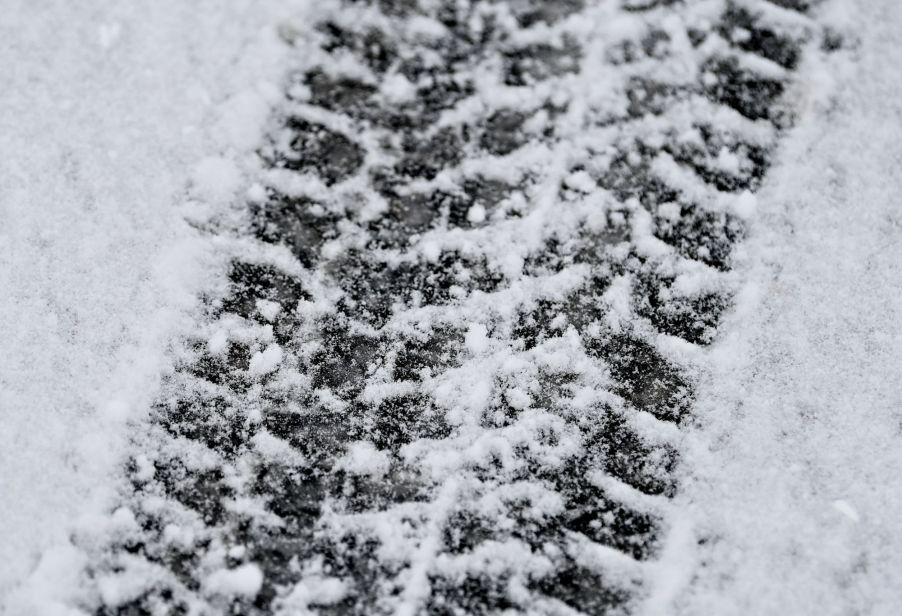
pixel 797 489
pixel 108 113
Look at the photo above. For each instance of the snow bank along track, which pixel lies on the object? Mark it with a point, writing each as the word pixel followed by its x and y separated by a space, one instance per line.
pixel 448 369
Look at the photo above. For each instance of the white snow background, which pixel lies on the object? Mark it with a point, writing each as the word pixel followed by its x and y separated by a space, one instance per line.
pixel 107 109
pixel 795 477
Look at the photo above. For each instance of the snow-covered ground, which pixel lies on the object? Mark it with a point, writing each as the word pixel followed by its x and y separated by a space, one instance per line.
pixel 798 484
pixel 106 107
pixel 110 113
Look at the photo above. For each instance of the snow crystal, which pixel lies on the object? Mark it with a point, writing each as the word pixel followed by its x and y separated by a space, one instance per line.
pixel 266 361
pixel 123 520
pixel 315 590
pixel 728 161
pixel 364 459
pixel 117 589
pixel 476 213
pixel 477 339
pixel 619 300
pixel 218 342
pixel 426 27
pixel 256 193
pixel 397 88
pixel 431 251
pixel 178 535
pixel 144 469
pixel 244 581
pixel 275 448
pixel 582 181
pixel 268 309
pixel 517 398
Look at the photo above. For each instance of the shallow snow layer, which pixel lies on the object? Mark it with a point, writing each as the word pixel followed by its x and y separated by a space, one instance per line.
pixel 105 109
pixel 798 481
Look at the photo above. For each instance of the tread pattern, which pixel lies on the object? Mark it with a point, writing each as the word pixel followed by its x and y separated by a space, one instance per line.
pixel 448 371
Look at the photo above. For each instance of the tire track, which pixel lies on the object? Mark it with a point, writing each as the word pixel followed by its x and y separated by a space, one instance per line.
pixel 448 371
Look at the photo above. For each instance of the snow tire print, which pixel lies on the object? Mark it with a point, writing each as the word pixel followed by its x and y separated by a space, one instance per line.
pixel 450 375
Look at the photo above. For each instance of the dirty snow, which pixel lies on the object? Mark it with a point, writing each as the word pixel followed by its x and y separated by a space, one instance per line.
pixel 797 487
pixel 105 110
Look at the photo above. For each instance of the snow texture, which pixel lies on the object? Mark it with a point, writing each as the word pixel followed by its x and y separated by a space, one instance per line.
pixel 419 307
pixel 795 479
pixel 448 365
pixel 105 109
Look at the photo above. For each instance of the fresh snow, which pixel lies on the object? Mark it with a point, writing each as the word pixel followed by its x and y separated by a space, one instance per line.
pixel 122 122
pixel 245 580
pixel 266 361
pixel 796 472
pixel 105 110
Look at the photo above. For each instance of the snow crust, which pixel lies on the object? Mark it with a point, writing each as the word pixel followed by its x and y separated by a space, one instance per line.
pixel 795 481
pixel 117 120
